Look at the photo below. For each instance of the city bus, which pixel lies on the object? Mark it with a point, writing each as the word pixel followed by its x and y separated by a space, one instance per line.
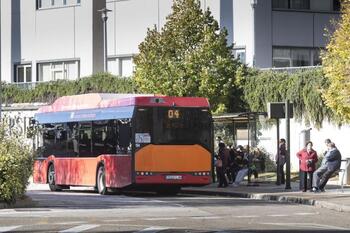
pixel 119 141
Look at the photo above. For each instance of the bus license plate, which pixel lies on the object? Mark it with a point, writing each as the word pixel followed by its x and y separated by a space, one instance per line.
pixel 173 177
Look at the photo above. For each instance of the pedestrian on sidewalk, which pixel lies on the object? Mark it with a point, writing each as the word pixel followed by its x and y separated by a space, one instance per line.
pixel 330 164
pixel 307 165
pixel 222 164
pixel 281 161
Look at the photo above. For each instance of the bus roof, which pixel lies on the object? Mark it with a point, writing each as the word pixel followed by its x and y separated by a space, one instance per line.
pixel 103 100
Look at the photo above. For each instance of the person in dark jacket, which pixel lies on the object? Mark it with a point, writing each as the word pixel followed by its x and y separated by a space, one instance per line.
pixel 331 163
pixel 222 164
pixel 281 160
pixel 307 165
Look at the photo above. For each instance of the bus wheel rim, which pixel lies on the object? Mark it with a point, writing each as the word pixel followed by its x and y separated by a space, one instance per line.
pixel 51 175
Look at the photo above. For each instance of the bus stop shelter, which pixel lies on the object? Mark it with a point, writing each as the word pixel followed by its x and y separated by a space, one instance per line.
pixel 243 125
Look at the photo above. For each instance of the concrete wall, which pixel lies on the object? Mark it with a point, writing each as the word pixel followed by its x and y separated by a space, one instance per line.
pixel 337 134
pixel 263 31
pixel 300 29
pixel 6 41
pixel 30 36
pixel 243 27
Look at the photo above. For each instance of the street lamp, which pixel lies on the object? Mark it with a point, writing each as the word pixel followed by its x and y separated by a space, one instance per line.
pixel 104 15
pixel 253 3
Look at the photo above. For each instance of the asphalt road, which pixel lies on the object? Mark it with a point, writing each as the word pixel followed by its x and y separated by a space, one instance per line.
pixel 85 211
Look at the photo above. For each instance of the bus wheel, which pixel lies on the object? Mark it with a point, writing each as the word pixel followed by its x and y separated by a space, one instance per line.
pixel 101 181
pixel 51 179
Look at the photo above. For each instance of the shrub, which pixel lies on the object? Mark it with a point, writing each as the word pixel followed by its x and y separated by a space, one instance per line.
pixel 16 163
pixel 49 91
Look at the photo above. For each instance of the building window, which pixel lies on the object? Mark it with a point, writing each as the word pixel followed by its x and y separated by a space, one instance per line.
pixel 50 71
pixel 291 4
pixel 336 5
pixel 296 57
pixel 121 66
pixel 23 74
pixel 240 54
pixel 44 4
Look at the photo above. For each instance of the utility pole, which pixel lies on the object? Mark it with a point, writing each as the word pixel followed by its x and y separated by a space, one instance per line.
pixel 253 3
pixel 278 181
pixel 104 14
pixel 287 111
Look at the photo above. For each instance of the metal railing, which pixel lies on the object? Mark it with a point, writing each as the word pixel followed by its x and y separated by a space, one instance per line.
pixel 26 86
pixel 291 69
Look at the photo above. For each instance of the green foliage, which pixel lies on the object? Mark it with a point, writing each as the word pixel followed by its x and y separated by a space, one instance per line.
pixel 336 66
pixel 189 56
pixel 47 92
pixel 303 88
pixel 16 163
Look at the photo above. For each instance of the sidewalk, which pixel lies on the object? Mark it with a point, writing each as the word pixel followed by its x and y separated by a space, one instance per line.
pixel 333 198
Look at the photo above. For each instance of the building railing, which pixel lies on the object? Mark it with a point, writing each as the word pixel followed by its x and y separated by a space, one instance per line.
pixel 26 85
pixel 291 69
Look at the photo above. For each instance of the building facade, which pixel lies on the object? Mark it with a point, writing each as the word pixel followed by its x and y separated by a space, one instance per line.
pixel 44 40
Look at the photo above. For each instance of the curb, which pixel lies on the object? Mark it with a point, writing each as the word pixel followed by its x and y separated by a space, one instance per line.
pixel 269 197
pixel 24 202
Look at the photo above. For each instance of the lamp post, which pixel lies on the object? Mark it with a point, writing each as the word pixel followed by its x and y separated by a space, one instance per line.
pixel 104 14
pixel 253 3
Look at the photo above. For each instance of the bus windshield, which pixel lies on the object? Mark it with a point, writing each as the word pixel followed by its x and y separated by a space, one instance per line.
pixel 174 126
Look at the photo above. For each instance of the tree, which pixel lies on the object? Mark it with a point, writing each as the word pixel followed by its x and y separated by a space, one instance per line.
pixel 336 66
pixel 189 56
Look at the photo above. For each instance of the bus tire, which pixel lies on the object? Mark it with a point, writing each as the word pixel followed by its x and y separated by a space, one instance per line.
pixel 51 179
pixel 101 181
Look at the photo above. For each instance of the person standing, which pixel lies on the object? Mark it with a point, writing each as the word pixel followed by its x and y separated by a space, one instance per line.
pixel 330 163
pixel 281 160
pixel 307 165
pixel 222 164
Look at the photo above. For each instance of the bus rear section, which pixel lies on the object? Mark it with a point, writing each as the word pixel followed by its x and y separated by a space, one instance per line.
pixel 173 146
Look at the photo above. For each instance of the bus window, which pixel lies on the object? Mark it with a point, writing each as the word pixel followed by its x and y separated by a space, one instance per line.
pixel 104 138
pixel 48 133
pixel 85 139
pixel 61 140
pixel 73 139
pixel 124 139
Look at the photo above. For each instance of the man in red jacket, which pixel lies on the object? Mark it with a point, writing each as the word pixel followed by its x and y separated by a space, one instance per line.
pixel 307 165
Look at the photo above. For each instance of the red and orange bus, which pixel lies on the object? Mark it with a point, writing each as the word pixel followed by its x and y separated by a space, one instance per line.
pixel 115 141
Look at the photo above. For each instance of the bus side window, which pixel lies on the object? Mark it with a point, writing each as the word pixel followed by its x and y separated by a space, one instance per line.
pixel 61 140
pixel 104 139
pixel 48 132
pixel 124 132
pixel 85 134
pixel 73 139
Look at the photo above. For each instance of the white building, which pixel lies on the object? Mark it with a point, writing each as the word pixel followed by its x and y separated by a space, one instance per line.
pixel 44 40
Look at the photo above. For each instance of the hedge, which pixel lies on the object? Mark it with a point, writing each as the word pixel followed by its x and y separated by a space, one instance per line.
pixel 16 163
pixel 304 88
pixel 49 91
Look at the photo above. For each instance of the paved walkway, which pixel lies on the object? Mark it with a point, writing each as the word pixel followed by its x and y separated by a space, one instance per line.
pixel 334 198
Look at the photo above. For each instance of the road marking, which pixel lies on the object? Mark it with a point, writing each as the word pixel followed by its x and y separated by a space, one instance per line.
pixel 6 229
pixel 246 216
pixel 206 217
pixel 154 229
pixel 307 225
pixel 80 228
pixel 117 220
pixel 159 219
pixel 278 215
pixel 304 214
pixel 70 223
